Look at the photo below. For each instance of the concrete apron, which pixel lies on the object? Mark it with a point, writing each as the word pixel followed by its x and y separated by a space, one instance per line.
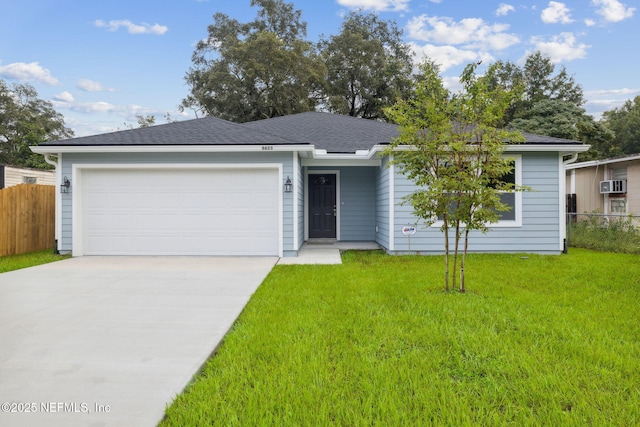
pixel 110 341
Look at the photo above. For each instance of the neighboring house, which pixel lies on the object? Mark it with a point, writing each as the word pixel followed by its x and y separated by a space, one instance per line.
pixel 610 186
pixel 212 187
pixel 10 176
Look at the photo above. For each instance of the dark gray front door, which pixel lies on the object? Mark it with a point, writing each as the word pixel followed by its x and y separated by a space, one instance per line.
pixel 322 206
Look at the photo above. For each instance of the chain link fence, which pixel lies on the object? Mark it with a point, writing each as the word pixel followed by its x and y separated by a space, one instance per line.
pixel 605 232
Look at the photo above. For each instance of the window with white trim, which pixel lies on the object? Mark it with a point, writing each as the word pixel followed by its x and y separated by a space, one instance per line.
pixel 618 205
pixel 512 217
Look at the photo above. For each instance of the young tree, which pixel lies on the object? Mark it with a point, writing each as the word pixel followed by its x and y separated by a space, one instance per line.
pixel 27 120
pixel 451 148
pixel 261 69
pixel 368 66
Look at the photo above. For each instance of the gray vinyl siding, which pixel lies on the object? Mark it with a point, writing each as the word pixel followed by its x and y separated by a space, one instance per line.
pixel 382 204
pixel 69 159
pixel 540 230
pixel 300 196
pixel 357 202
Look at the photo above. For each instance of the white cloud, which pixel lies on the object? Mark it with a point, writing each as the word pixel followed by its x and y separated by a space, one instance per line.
pixel 65 97
pixel 613 10
pixel 31 72
pixel 448 56
pixel 94 107
pixel 589 22
pixel 377 5
pixel 92 86
pixel 562 47
pixel 132 28
pixel 504 9
pixel 612 92
pixel 556 13
pixel 470 33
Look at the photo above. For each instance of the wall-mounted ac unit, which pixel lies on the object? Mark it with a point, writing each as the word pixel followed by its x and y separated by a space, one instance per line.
pixel 613 186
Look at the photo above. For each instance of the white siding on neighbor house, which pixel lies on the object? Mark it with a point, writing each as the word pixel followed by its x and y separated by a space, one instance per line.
pixel 68 160
pixel 540 230
pixel 15 176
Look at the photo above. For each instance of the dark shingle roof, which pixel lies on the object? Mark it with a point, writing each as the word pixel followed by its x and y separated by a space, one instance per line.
pixel 332 132
pixel 204 131
pixel 531 138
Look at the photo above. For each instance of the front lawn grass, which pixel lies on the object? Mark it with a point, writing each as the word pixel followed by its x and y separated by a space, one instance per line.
pixel 16 262
pixel 536 341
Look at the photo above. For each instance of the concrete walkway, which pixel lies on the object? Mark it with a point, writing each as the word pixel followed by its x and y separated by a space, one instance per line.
pixel 325 251
pixel 110 341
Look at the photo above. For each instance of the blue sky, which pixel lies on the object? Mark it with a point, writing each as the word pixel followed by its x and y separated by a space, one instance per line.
pixel 103 62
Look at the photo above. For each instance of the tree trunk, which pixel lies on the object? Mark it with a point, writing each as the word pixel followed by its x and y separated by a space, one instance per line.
pixel 464 259
pixel 455 253
pixel 446 254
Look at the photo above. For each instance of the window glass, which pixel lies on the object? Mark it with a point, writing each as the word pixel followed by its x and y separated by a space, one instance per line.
pixel 618 206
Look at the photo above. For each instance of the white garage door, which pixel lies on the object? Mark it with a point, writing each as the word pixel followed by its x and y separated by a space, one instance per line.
pixel 179 212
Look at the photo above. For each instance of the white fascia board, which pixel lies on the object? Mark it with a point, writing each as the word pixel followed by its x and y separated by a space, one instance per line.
pixel 335 162
pixel 602 162
pixel 566 149
pixel 168 148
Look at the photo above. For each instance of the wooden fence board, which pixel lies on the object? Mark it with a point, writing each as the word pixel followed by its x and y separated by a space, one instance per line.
pixel 27 218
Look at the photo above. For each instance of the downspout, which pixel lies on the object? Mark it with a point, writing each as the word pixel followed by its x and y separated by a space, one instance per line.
pixel 58 202
pixel 570 160
pixel 563 200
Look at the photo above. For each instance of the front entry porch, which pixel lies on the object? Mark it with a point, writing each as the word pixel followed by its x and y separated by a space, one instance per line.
pixel 326 251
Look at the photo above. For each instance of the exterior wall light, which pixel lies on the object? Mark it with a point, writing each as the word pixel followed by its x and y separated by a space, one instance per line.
pixel 288 186
pixel 66 184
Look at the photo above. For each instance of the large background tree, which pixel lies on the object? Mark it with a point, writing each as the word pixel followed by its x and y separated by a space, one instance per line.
pixel 368 66
pixel 625 123
pixel 27 120
pixel 551 103
pixel 256 70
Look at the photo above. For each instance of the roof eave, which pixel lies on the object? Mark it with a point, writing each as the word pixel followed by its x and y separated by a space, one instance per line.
pixel 542 147
pixel 196 148
pixel 593 163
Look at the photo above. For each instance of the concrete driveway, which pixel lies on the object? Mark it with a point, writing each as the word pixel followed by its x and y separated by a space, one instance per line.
pixel 110 341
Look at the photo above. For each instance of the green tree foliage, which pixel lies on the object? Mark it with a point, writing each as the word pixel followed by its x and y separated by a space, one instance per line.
pixel 539 83
pixel 143 121
pixel 551 103
pixel 451 147
pixel 625 123
pixel 27 120
pixel 257 70
pixel 368 66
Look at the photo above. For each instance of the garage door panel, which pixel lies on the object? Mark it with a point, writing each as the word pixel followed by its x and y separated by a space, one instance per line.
pixel 180 212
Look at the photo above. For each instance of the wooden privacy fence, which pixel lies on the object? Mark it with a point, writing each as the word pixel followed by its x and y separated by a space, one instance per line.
pixel 27 218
